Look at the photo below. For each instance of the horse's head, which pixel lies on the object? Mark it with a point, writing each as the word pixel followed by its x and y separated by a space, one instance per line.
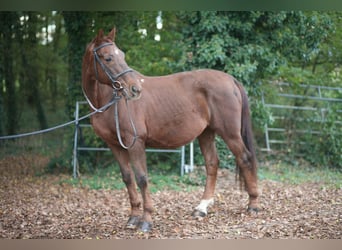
pixel 106 63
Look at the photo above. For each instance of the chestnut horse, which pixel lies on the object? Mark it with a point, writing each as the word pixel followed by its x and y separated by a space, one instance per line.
pixel 166 112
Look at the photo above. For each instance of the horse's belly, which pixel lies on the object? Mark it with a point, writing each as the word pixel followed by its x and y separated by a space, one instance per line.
pixel 175 134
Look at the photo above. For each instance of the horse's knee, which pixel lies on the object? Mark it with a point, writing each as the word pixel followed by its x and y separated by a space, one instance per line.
pixel 127 177
pixel 142 181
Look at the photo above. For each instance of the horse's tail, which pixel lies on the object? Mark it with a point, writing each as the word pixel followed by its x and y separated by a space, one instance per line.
pixel 246 127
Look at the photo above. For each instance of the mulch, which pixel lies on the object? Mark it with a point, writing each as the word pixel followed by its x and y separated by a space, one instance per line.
pixel 43 207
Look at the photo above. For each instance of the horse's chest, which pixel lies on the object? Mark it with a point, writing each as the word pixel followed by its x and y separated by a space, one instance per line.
pixel 102 127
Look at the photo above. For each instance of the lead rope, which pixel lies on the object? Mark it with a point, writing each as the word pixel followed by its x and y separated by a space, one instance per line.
pixel 117 125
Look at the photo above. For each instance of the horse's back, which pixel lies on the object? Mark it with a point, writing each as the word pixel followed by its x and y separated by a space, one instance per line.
pixel 177 108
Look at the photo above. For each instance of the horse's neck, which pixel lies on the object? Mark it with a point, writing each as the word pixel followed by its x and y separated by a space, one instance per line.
pixel 97 93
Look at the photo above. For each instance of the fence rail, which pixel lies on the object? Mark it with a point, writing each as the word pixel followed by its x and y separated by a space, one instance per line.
pixel 320 102
pixel 183 167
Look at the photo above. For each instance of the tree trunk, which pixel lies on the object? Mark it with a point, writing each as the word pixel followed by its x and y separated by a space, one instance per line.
pixel 2 93
pixel 10 103
pixel 53 78
pixel 77 26
pixel 31 69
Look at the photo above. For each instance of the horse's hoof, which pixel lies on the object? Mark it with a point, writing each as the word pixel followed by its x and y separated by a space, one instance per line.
pixel 252 210
pixel 145 226
pixel 133 222
pixel 198 214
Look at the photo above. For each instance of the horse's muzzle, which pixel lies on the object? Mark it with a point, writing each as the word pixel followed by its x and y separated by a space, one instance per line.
pixel 135 91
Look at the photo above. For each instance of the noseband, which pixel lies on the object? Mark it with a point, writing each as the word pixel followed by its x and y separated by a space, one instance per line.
pixel 117 86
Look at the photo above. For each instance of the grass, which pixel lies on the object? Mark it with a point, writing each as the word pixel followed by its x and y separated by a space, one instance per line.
pixel 300 173
pixel 110 177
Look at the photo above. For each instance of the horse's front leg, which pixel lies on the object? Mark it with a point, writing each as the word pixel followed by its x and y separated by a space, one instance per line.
pixel 138 158
pixel 128 178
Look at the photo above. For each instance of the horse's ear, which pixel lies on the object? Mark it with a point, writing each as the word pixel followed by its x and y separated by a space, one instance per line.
pixel 100 33
pixel 111 34
pixel 99 36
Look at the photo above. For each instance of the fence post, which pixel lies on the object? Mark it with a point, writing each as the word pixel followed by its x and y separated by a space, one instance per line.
pixel 320 106
pixel 76 148
pixel 268 148
pixel 75 141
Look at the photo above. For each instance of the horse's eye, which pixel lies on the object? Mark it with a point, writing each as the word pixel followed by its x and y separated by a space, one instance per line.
pixel 108 59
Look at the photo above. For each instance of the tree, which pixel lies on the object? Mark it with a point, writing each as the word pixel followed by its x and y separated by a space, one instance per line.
pixel 328 57
pixel 252 45
pixel 7 21
pixel 78 26
pixel 53 45
pixel 147 54
pixel 30 60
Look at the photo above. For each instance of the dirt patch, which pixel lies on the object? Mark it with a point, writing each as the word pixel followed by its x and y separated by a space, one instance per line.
pixel 41 207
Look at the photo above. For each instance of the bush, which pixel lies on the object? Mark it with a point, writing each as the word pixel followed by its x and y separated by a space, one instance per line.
pixel 325 148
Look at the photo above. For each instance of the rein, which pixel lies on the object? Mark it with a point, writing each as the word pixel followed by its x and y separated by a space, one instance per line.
pixel 117 126
pixel 117 86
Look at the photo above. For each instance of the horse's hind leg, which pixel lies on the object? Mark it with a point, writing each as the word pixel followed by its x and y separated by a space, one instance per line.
pixel 247 172
pixel 207 144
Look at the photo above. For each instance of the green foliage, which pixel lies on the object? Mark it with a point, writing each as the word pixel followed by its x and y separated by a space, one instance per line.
pixel 227 159
pixel 77 28
pixel 320 145
pixel 325 149
pixel 8 92
pixel 261 115
pixel 282 171
pixel 163 162
pixel 251 45
pixel 103 178
pixel 147 55
pixel 110 178
pixel 254 46
pixel 298 172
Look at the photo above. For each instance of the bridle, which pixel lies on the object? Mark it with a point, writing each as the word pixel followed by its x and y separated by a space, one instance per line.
pixel 117 86
pixel 113 78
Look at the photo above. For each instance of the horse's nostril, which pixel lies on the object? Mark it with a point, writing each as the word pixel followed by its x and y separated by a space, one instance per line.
pixel 135 89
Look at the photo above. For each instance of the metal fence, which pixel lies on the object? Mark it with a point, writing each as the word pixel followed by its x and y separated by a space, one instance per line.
pixel 305 104
pixel 79 126
pixel 295 109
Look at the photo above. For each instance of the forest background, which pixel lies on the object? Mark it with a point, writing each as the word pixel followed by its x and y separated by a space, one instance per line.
pixel 40 72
